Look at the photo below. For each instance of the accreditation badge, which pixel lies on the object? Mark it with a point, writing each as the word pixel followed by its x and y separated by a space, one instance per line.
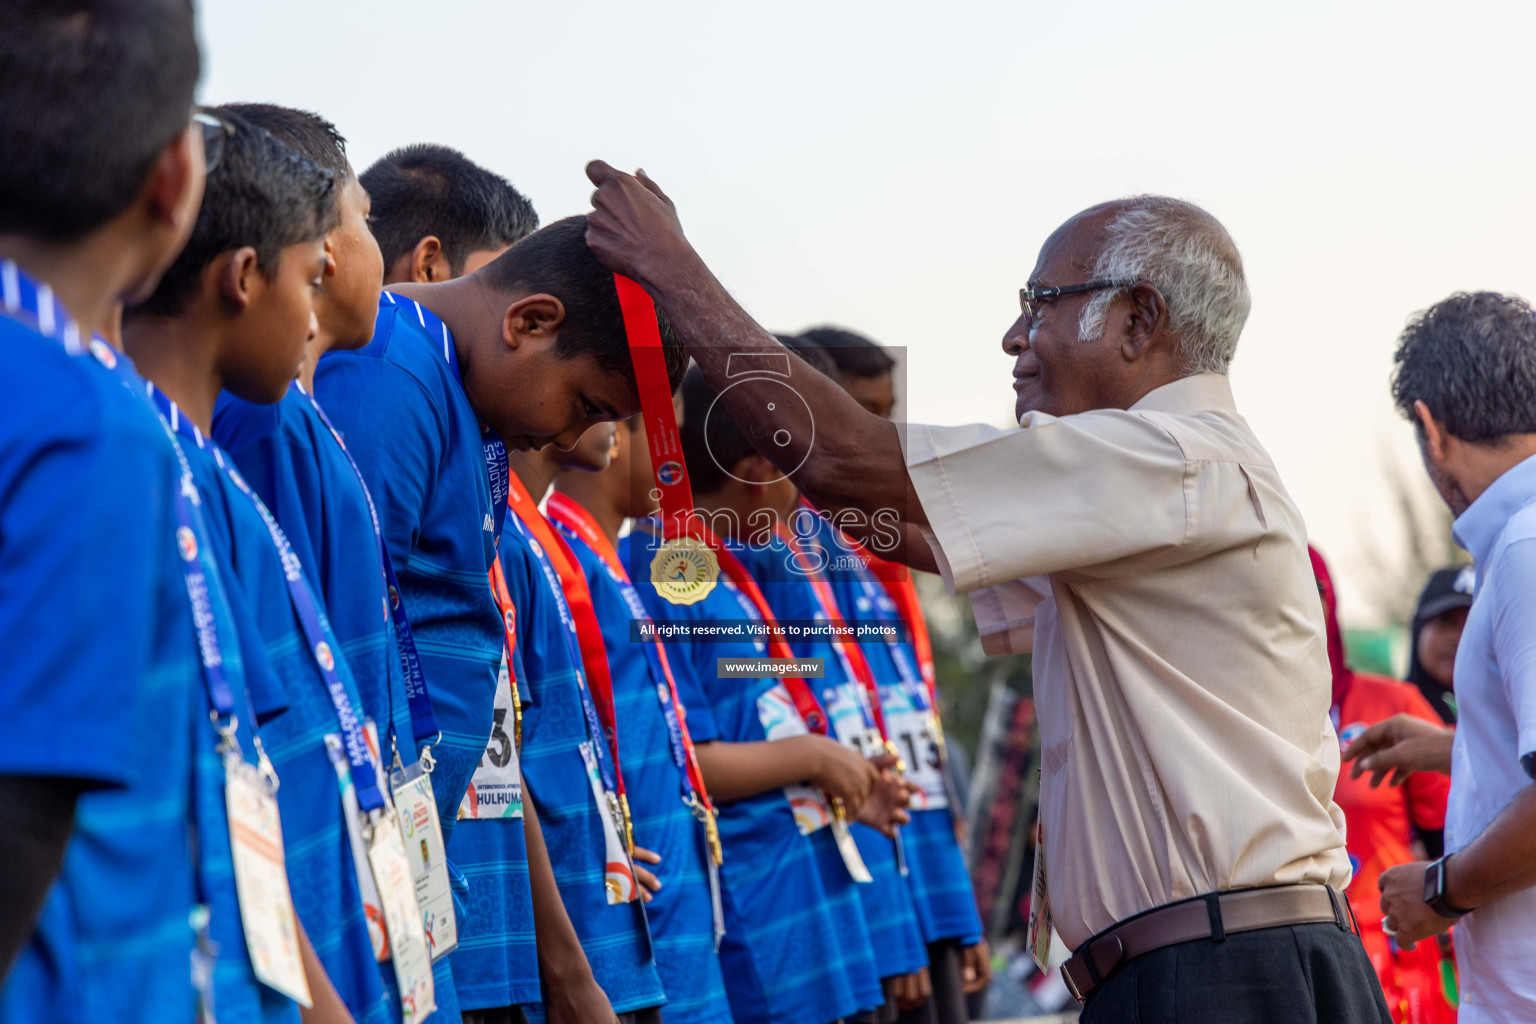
pixel 261 879
pixel 351 813
pixel 1040 929
pixel 618 871
pixel 684 570
pixel 846 845
pixel 422 833
pixel 402 918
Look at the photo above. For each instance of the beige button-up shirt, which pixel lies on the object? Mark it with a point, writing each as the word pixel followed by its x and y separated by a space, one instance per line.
pixel 1155 565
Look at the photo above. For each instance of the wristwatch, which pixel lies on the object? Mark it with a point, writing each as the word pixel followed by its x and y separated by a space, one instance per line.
pixel 1434 890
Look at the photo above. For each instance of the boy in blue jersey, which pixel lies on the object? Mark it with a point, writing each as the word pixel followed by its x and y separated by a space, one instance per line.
pixel 102 696
pixel 796 948
pixel 530 348
pixel 290 457
pixel 495 965
pixel 590 505
pixel 439 215
pixel 234 311
pixel 560 733
pixel 958 955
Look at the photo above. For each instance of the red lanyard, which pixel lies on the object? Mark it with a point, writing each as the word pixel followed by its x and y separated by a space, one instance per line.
pixel 594 657
pixel 509 627
pixel 661 433
pixel 852 652
pixel 570 514
pixel 900 587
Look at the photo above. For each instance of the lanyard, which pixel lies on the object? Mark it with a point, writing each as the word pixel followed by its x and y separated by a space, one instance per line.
pixel 35 305
pixel 494 449
pixel 557 563
pixel 848 648
pixel 509 629
pixel 423 722
pixel 911 676
pixel 580 524
pixel 661 434
pixel 364 776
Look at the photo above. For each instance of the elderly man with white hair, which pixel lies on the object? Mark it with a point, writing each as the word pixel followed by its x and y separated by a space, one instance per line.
pixel 1134 535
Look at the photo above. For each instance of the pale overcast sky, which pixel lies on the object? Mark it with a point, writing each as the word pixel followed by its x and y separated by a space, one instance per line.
pixel 894 166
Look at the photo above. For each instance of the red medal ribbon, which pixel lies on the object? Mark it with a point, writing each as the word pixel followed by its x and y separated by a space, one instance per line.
pixel 594 656
pixel 509 627
pixel 572 515
pixel 661 434
pixel 845 641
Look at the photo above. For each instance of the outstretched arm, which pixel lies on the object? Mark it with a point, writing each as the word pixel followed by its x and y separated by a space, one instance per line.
pixel 854 459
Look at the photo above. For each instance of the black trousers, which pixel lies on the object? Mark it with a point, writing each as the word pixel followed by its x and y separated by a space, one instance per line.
pixel 1296 974
pixel 947 1004
pixel 498 1015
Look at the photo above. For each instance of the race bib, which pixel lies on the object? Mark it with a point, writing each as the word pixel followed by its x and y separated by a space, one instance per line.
pixel 846 712
pixel 261 880
pixel 618 872
pixel 422 833
pixel 776 711
pixel 913 733
pixel 496 789
pixel 402 920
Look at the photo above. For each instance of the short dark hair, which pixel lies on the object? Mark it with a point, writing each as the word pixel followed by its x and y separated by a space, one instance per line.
pixel 854 354
pixel 710 455
pixel 1471 359
pixel 818 358
pixel 308 133
pixel 424 190
pixel 556 260
pixel 94 92
pixel 262 194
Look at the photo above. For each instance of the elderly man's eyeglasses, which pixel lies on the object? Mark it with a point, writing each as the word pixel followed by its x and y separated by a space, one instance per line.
pixel 215 131
pixel 1031 299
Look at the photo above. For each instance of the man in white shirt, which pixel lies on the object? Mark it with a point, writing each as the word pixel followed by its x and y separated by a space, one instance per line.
pixel 1466 378
pixel 1136 536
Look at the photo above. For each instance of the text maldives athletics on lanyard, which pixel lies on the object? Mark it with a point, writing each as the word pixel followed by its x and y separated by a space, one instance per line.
pixel 364 776
pixel 424 727
pixel 260 879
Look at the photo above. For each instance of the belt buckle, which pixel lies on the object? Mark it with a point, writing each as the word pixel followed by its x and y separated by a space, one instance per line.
pixel 1071 983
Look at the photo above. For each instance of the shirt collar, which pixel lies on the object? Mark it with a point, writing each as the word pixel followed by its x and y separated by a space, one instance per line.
pixel 1201 392
pixel 1480 525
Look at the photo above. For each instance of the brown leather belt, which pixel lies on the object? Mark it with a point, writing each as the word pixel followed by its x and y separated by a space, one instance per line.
pixel 1212 916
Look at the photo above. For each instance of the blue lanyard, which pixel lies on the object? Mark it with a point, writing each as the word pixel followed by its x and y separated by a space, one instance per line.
pixel 423 722
pixel 493 448
pixel 652 659
pixel 364 777
pixel 33 304
pixel 573 646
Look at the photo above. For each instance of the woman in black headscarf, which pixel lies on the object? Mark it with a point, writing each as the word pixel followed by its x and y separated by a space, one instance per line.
pixel 1437 624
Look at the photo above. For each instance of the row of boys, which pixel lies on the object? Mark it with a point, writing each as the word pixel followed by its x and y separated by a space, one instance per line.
pixel 290 633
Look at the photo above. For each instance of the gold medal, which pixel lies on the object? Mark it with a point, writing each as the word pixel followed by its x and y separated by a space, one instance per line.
pixel 684 570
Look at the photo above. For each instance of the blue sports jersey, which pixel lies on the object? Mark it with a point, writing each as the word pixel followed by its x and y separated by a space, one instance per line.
pixel 102 683
pixel 893 934
pixel 321 871
pixel 936 868
pixel 290 459
pixel 554 727
pixel 400 406
pixel 681 916
pixel 785 956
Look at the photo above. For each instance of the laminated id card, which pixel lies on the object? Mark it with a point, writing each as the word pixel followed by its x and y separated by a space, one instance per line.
pixel 402 918
pixel 496 789
pixel 261 880
pixel 422 833
pixel 618 872
pixel 373 911
pixel 1040 911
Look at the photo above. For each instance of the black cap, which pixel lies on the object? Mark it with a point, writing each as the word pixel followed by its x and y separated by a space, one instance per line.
pixel 1447 589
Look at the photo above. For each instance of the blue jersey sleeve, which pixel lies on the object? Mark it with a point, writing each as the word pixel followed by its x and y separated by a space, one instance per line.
pixel 396 437
pixel 84 520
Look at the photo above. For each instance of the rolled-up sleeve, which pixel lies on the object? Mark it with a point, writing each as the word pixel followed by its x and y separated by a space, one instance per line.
pixel 1101 493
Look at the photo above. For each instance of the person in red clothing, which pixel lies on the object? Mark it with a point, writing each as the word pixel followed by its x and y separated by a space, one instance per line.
pixel 1380 824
